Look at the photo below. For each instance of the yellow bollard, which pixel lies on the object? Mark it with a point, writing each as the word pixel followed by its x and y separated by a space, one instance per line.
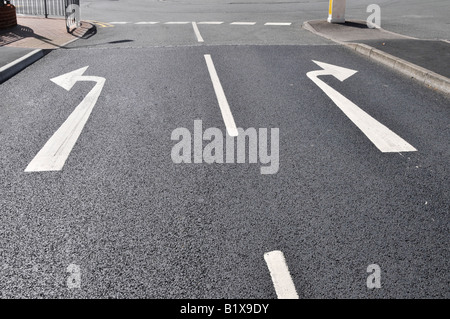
pixel 336 12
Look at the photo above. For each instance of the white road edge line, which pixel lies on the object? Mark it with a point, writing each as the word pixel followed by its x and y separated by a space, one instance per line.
pixel 243 23
pixel 221 98
pixel 197 32
pixel 9 65
pixel 281 278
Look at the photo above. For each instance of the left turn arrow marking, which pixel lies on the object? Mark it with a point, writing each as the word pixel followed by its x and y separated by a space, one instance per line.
pixel 55 152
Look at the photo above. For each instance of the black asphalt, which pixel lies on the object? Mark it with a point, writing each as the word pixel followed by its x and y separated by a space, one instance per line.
pixel 140 226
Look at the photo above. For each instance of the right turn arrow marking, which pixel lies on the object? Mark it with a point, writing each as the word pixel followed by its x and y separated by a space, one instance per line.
pixel 383 138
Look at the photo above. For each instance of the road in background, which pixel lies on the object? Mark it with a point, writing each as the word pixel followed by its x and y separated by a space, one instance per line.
pixel 415 18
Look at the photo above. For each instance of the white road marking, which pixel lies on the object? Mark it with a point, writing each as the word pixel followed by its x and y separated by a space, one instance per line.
pixel 383 138
pixel 221 98
pixel 144 22
pixel 243 23
pixel 197 32
pixel 278 23
pixel 281 278
pixel 177 22
pixel 210 22
pixel 9 65
pixel 55 152
pixel 205 22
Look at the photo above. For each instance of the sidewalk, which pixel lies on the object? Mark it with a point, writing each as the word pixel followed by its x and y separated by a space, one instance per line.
pixel 427 61
pixel 31 39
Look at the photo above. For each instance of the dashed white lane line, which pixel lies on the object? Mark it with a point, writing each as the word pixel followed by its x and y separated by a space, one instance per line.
pixel 197 32
pixel 177 22
pixel 281 278
pixel 278 23
pixel 144 22
pixel 211 22
pixel 243 23
pixel 221 98
pixel 202 22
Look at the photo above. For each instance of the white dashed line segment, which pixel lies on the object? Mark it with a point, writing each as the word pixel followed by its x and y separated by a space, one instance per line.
pixel 243 23
pixel 197 32
pixel 144 22
pixel 177 22
pixel 281 278
pixel 278 23
pixel 221 98
pixel 211 22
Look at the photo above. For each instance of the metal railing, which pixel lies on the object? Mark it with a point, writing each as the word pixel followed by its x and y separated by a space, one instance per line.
pixel 70 9
pixel 40 7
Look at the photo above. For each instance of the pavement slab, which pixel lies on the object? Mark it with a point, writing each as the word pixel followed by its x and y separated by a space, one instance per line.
pixel 422 59
pixel 430 54
pixel 31 39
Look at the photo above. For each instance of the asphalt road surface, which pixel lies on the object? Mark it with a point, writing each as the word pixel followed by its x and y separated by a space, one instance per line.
pixel 121 219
